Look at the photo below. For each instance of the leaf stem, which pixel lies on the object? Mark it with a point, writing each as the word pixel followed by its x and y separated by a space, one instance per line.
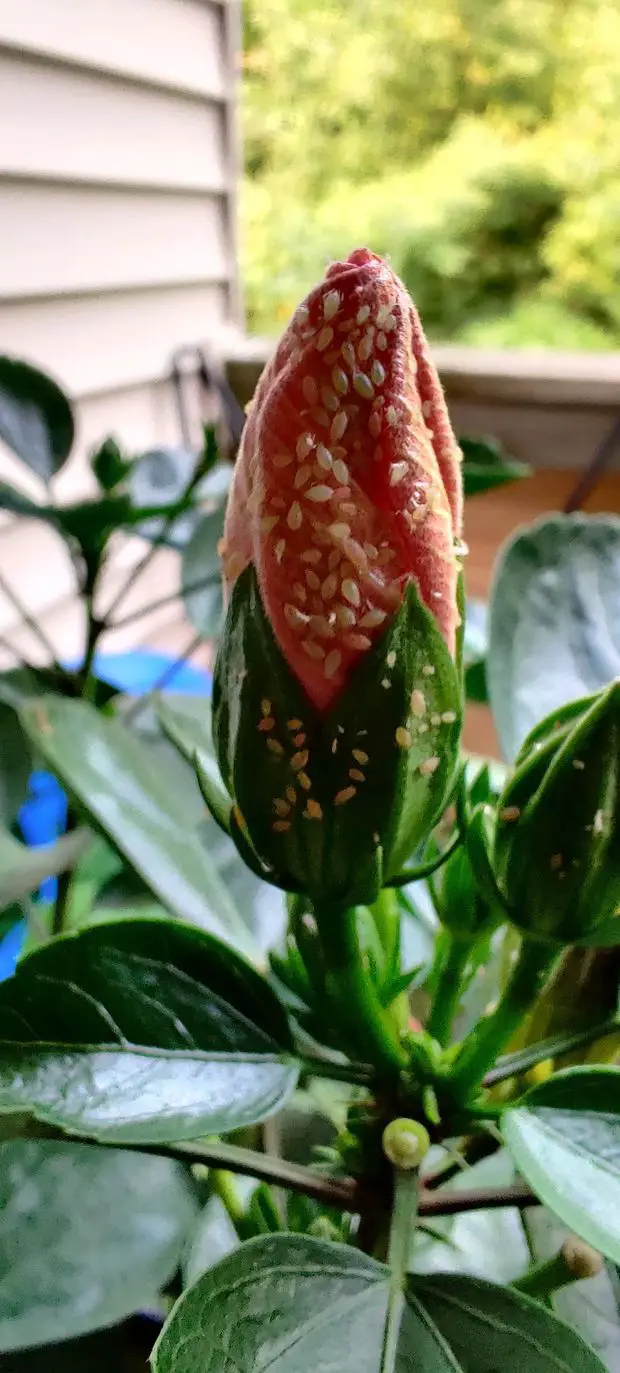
pixel 406 1194
pixel 445 1003
pixel 512 1065
pixel 485 1042
pixel 65 879
pixel 361 1074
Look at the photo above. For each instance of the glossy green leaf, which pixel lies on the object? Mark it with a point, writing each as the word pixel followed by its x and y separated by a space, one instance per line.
pixel 565 1139
pixel 36 421
pixel 15 764
pixel 187 724
pixel 159 478
pixel 294 1305
pixel 554 631
pixel 87 1236
pixel 23 869
pixel 139 1031
pixel 486 465
pixel 109 771
pixel 201 585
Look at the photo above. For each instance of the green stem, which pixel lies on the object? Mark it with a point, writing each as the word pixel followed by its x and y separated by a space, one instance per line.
pixel 406 1193
pixel 448 990
pixel 356 1005
pixel 223 1186
pixel 489 1037
pixel 63 890
pixel 574 1262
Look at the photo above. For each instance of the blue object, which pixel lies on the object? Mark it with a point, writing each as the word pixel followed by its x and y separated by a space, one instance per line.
pixel 10 949
pixel 43 816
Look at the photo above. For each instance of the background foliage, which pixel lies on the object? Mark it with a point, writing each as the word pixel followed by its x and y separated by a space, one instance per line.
pixel 478 145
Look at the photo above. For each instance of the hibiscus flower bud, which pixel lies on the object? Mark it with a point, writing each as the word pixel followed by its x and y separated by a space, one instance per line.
pixel 340 559
pixel 557 843
pixel 347 484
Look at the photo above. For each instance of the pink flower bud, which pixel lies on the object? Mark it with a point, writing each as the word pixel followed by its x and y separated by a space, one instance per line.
pixel 347 484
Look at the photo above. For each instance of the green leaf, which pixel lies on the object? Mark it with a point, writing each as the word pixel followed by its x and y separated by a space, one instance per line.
pixel 201 585
pixel 159 478
pixel 110 772
pixel 565 1139
pixel 23 869
pixel 87 1237
pixel 18 504
pixel 142 1031
pixel 36 421
pixel 186 721
pixel 187 724
pixel 554 631
pixel 486 465
pixel 294 1305
pixel 15 765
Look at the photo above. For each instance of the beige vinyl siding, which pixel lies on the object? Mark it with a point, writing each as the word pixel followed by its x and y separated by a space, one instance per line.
pixel 117 222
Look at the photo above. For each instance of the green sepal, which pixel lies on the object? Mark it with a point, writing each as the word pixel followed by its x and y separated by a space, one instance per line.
pixel 557 843
pixel 458 898
pixel 217 802
pixel 479 843
pixel 340 836
pixel 251 859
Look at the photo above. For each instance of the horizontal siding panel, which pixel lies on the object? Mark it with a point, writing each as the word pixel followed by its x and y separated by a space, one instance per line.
pixel 100 343
pixel 117 238
pixel 67 124
pixel 176 43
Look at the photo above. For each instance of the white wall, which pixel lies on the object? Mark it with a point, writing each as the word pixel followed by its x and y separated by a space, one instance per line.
pixel 117 222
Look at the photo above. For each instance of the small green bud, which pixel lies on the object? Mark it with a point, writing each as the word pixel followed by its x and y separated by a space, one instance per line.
pixel 109 465
pixel 556 853
pixel 324 1229
pixel 405 1143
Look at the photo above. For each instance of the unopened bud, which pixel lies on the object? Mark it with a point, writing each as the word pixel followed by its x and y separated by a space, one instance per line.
pixel 405 1143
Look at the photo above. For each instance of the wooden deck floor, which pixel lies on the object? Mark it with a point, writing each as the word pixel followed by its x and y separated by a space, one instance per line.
pixel 488 522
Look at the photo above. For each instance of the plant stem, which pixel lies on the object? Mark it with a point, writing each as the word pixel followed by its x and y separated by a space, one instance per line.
pixel 223 1186
pixel 476 1199
pixel 356 1004
pixel 183 590
pixel 513 1065
pixel 32 624
pixel 575 1261
pixel 448 990
pixel 483 1045
pixel 341 1193
pixel 63 890
pixel 406 1192
pixel 359 1073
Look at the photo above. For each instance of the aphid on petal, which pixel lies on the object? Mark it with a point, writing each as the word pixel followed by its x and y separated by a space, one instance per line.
pixel 349 391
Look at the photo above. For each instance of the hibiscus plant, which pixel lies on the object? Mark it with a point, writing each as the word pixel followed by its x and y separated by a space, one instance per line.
pixel 334 1086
